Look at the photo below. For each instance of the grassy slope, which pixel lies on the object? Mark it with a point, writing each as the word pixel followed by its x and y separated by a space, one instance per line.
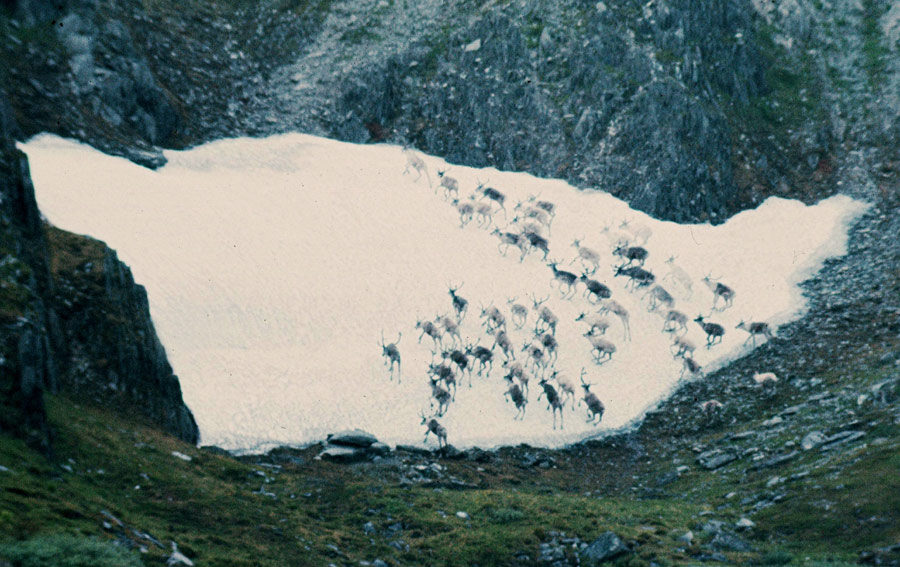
pixel 214 506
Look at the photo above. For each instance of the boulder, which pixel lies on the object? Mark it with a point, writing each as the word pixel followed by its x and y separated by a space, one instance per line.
pixel 606 547
pixel 352 438
pixel 340 454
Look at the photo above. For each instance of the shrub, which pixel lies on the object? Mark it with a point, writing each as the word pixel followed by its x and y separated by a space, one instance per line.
pixel 63 550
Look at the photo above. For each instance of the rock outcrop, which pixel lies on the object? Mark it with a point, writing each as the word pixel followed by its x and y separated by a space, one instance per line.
pixel 72 317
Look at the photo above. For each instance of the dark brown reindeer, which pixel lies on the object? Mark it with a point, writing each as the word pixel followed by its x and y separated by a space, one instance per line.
pixel 595 407
pixel 514 393
pixel 460 304
pixel 714 331
pixel 553 402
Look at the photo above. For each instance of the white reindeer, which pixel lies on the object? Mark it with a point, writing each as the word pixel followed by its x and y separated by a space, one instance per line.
pixel 675 320
pixel 683 347
pixel 594 322
pixel 641 232
pixel 659 296
pixel 617 309
pixel 679 279
pixel 566 386
pixel 434 427
pixel 600 347
pixel 755 328
pixel 616 238
pixel 588 256
pixel 519 312
pixel 466 211
pixel 546 319
pixel 414 161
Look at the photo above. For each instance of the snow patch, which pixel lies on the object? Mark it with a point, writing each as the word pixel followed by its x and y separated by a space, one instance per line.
pixel 274 265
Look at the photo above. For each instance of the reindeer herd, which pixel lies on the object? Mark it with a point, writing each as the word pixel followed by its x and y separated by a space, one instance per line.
pixel 528 354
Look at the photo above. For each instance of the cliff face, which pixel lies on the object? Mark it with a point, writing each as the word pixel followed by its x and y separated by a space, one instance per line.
pixel 73 319
pixel 27 359
pixel 111 351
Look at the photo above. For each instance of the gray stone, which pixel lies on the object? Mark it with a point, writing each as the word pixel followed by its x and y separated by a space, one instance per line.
pixel 352 438
pixel 724 541
pixel 607 546
pixel 812 440
pixel 712 460
pixel 340 454
pixel 379 448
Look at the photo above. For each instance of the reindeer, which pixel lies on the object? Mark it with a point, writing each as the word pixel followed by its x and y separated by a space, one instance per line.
pixel 545 316
pixel 539 215
pixel 600 323
pixel 766 381
pixel 690 366
pixel 517 370
pixel 445 374
pixel 594 288
pixel 535 357
pixel 483 213
pixel 659 296
pixel 461 361
pixel 641 232
pixel 536 241
pixel 502 339
pixel 493 195
pixel 439 395
pixel 632 254
pixel 713 331
pixel 616 238
pixel 414 161
pixel 436 428
pixel 514 393
pixel 617 309
pixel 451 328
pixel 392 354
pixel 484 356
pixel 519 312
pixel 637 276
pixel 595 407
pixel 564 278
pixel 755 328
pixel 550 346
pixel 508 239
pixel 566 387
pixel 679 278
pixel 600 347
pixel 719 290
pixel 493 318
pixel 683 347
pixel 547 206
pixel 466 211
pixel 430 329
pixel 553 402
pixel 450 185
pixel 460 305
pixel 675 320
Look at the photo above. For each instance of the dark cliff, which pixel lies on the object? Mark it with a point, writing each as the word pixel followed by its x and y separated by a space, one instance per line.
pixel 73 319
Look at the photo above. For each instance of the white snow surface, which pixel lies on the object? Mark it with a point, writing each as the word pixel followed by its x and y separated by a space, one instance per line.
pixel 274 265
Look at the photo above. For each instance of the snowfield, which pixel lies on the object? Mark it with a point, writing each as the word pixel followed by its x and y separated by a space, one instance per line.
pixel 273 267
